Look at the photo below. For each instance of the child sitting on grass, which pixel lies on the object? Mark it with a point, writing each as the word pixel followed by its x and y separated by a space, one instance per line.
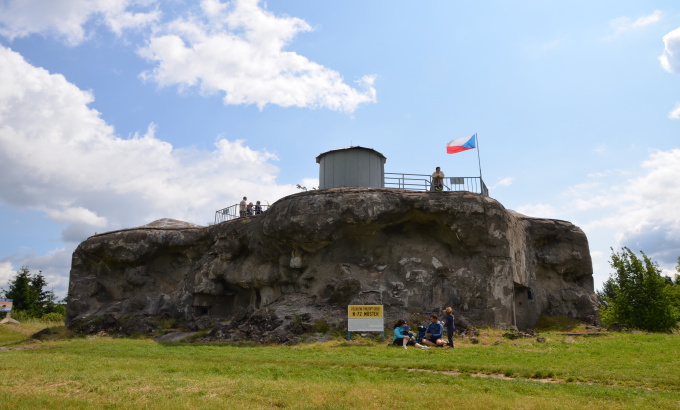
pixel 402 336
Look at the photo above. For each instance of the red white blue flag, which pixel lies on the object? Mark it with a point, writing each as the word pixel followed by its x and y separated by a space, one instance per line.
pixel 461 144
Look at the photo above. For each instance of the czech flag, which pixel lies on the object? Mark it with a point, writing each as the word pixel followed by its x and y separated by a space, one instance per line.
pixel 461 144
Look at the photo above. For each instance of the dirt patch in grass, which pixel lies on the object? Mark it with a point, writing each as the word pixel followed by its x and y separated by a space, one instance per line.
pixel 556 323
pixel 3 349
pixel 490 375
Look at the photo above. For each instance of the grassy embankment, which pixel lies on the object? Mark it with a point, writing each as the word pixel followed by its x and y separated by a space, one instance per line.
pixel 629 370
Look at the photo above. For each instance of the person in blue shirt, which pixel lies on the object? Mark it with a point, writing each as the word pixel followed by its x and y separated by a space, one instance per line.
pixel 402 336
pixel 434 333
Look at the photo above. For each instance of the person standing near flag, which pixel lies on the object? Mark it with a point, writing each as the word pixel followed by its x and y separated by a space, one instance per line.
pixel 438 180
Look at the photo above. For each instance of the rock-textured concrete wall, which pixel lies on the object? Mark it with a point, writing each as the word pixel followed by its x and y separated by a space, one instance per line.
pixel 315 252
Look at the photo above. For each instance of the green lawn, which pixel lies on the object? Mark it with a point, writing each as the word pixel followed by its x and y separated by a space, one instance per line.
pixel 615 371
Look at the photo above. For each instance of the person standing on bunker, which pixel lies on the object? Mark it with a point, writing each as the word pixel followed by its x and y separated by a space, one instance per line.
pixel 438 180
pixel 242 207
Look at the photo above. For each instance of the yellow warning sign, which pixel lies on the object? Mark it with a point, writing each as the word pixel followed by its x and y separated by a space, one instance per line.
pixel 365 311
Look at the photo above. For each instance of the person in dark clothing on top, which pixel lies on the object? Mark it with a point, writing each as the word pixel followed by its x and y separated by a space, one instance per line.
pixel 448 324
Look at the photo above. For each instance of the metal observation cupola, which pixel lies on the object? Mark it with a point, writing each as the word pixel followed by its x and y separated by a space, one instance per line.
pixel 351 167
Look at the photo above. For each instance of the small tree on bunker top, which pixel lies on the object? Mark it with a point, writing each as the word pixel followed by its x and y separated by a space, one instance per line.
pixel 640 298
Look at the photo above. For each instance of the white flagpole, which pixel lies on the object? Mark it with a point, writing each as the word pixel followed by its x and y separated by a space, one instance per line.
pixel 479 161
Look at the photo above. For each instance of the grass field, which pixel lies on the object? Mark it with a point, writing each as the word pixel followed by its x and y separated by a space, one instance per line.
pixel 627 370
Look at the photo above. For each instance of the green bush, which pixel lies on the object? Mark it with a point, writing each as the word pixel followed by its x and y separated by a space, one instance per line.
pixel 20 315
pixel 607 315
pixel 321 326
pixel 640 296
pixel 52 317
pixel 59 308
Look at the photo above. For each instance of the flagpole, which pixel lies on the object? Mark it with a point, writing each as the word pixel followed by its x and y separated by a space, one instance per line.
pixel 479 161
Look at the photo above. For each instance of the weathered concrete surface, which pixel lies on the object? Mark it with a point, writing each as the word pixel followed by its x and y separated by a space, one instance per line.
pixel 313 253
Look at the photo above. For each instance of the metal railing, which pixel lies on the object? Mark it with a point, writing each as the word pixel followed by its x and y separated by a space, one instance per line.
pixel 410 182
pixel 232 212
pixel 419 182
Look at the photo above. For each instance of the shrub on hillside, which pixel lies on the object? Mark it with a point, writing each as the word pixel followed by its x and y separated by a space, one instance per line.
pixel 52 317
pixel 639 294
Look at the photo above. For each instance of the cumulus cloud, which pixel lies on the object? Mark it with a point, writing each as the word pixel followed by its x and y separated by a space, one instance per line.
pixel 52 265
pixel 6 273
pixel 675 113
pixel 643 210
pixel 238 48
pixel 77 214
pixel 310 183
pixel 540 210
pixel 59 157
pixel 624 24
pixel 616 209
pixel 670 59
pixel 67 18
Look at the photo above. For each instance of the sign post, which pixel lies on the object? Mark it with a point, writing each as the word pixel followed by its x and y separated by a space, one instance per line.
pixel 365 318
pixel 6 306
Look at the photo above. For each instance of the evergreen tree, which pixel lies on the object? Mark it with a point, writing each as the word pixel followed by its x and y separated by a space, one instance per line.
pixel 640 298
pixel 28 295
pixel 20 290
pixel 38 284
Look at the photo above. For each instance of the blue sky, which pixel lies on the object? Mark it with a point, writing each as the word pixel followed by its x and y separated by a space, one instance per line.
pixel 117 113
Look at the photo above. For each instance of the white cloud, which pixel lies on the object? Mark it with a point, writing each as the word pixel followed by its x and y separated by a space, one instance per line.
pixel 675 114
pixel 503 182
pixel 6 273
pixel 645 21
pixel 642 211
pixel 624 24
pixel 539 211
pixel 606 173
pixel 617 210
pixel 238 48
pixel 597 255
pixel 77 214
pixel 67 18
pixel 58 156
pixel 52 265
pixel 670 59
pixel 310 183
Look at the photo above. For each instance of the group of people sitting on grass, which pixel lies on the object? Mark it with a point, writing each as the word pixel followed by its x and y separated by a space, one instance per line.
pixel 432 336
